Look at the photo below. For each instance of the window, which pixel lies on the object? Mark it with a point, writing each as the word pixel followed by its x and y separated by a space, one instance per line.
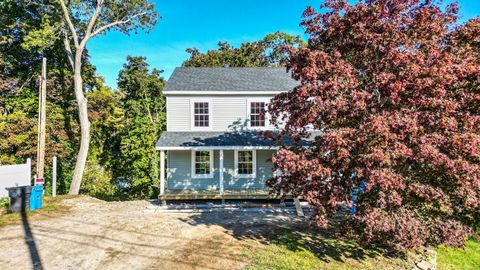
pixel 201 116
pixel 257 114
pixel 202 164
pixel 245 163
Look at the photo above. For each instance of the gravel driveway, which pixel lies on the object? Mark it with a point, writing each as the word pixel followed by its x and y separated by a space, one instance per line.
pixel 130 235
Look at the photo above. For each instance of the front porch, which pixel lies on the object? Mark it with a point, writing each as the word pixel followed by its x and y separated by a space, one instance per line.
pixel 221 180
pixel 214 165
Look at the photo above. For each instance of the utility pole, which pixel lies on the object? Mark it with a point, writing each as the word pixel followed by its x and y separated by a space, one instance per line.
pixel 42 96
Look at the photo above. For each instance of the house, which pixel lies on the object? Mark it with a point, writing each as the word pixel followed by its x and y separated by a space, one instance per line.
pixel 212 143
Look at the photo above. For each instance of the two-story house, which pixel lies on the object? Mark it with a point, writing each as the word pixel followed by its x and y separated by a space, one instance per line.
pixel 212 144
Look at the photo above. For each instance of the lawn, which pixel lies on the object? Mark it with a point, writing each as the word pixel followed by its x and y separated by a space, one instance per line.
pixel 52 206
pixel 291 249
pixel 452 259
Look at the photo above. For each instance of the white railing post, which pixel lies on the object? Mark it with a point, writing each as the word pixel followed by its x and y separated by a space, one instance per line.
pixel 162 172
pixel 221 172
pixel 54 177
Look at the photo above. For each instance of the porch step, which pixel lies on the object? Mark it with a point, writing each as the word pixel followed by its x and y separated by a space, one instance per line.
pixel 177 195
pixel 266 210
pixel 157 207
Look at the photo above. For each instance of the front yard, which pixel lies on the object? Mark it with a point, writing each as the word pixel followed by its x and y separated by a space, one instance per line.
pixel 86 233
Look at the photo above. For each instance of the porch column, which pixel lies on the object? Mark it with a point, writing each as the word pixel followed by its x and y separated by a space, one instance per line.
pixel 162 172
pixel 221 172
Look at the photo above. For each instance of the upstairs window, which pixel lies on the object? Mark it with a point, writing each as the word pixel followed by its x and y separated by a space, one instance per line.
pixel 201 114
pixel 257 114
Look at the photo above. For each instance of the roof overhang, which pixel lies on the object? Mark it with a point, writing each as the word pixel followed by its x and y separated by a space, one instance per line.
pixel 201 148
pixel 218 140
pixel 229 93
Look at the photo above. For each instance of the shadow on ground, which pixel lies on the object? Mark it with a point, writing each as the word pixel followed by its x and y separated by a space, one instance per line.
pixel 29 238
pixel 285 230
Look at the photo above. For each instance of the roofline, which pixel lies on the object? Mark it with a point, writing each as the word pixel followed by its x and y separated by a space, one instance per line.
pixel 200 148
pixel 219 92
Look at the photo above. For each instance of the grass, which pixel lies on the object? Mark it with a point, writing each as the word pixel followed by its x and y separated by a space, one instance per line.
pixel 300 249
pixel 465 259
pixel 289 249
pixel 52 206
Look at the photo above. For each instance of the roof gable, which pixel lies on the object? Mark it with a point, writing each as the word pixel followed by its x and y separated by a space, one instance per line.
pixel 236 79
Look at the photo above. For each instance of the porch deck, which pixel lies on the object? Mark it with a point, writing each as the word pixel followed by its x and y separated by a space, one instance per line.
pixel 254 194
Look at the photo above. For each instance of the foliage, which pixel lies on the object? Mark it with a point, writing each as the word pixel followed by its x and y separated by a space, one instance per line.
pixel 144 106
pixel 81 21
pixel 20 66
pixel 25 36
pixel 275 46
pixel 269 51
pixel 123 161
pixel 250 54
pixel 4 203
pixel 97 181
pixel 394 88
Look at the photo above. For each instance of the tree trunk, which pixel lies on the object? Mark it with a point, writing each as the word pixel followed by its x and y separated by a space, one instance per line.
pixel 84 126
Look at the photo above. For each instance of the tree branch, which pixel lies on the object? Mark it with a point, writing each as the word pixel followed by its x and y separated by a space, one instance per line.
pixel 69 22
pixel 94 18
pixel 105 27
pixel 66 44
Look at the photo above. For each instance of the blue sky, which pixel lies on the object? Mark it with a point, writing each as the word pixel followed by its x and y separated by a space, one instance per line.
pixel 201 24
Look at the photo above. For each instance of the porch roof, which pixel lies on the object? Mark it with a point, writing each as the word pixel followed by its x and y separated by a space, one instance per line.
pixel 179 140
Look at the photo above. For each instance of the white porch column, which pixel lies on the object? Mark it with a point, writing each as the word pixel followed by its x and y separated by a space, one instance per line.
pixel 162 172
pixel 221 172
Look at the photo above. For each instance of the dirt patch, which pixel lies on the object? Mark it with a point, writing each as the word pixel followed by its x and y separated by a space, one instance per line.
pixel 216 250
pixel 125 235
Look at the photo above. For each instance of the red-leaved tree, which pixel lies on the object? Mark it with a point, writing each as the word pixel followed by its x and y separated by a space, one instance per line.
pixel 394 88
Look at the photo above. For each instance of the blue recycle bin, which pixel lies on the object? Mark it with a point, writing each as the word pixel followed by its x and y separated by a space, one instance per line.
pixel 36 197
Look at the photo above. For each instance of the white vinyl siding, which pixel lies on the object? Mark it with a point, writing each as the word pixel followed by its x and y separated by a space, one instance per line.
pixel 227 113
pixel 230 113
pixel 178 114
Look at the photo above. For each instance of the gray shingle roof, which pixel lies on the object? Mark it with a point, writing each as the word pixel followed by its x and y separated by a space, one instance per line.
pixel 230 79
pixel 216 139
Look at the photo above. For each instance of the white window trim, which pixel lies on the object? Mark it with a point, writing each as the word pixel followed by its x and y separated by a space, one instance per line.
pixel 210 113
pixel 267 115
pixel 210 175
pixel 254 165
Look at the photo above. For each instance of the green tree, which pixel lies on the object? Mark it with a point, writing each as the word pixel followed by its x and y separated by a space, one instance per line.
pixel 269 51
pixel 144 106
pixel 83 20
pixel 249 54
pixel 32 30
pixel 20 58
pixel 107 123
pixel 276 46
